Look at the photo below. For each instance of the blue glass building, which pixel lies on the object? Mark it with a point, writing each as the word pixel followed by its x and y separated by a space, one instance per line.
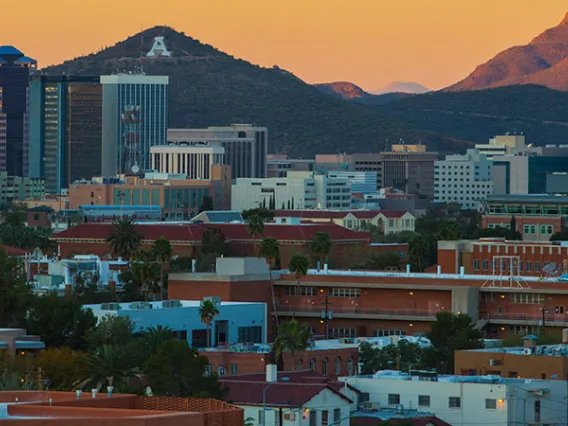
pixel 135 117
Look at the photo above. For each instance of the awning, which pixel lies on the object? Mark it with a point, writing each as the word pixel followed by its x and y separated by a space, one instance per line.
pixel 29 344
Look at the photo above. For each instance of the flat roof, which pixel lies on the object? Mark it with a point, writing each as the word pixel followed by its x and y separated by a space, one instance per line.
pixel 159 305
pixel 526 198
pixel 559 350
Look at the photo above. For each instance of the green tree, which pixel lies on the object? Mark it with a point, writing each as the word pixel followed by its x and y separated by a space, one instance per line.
pixel 206 204
pixel 292 337
pixel 401 356
pixel 124 238
pixel 255 228
pixel 15 294
pixel 207 313
pixel 60 366
pixel 417 251
pixel 163 254
pixel 449 333
pixel 110 365
pixel 449 230
pixel 299 265
pixel 320 246
pixel 382 261
pixel 154 336
pixel 177 370
pixel 559 236
pixel 270 249
pixel 145 270
pixel 265 214
pixel 111 330
pixel 213 245
pixel 60 320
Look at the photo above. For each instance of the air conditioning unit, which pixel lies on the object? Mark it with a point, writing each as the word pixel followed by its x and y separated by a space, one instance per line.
pixel 371 405
pixel 171 304
pixel 140 305
pixel 290 417
pixel 110 306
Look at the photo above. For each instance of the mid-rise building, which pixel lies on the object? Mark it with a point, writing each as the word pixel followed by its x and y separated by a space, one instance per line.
pixel 360 182
pixel 135 118
pixel 65 129
pixel 409 168
pixel 246 146
pixel 194 160
pixel 502 144
pixel 277 165
pixel 14 81
pixel 17 188
pixel 463 179
pixel 361 162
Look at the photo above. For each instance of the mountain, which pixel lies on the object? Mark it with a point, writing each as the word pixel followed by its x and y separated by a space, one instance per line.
pixel 343 90
pixel 209 87
pixel 401 87
pixel 544 61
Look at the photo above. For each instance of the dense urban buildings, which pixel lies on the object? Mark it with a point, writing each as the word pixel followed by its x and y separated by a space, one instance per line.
pixel 65 129
pixel 135 118
pixel 16 188
pixel 194 160
pixel 463 179
pixel 360 182
pixel 14 82
pixel 502 144
pixel 367 162
pixel 246 146
pixel 277 165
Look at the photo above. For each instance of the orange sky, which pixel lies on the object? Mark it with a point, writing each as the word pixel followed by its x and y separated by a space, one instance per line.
pixel 368 42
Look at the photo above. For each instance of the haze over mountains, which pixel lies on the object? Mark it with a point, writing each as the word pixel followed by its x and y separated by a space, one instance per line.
pixel 544 61
pixel 401 87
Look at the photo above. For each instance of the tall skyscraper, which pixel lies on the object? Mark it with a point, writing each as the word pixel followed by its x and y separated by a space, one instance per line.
pixel 135 117
pixel 246 146
pixel 14 80
pixel 65 129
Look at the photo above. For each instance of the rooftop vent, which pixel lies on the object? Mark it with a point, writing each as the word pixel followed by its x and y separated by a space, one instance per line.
pixel 140 305
pixel 110 306
pixel 171 304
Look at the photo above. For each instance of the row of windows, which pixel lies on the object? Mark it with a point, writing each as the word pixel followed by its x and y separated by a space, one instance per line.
pixel 544 229
pixel 342 332
pixel 453 401
pixel 384 333
pixel 344 292
pixel 294 290
pixel 506 265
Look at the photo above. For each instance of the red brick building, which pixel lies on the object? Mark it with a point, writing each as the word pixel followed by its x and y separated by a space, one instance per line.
pixel 90 238
pixel 39 217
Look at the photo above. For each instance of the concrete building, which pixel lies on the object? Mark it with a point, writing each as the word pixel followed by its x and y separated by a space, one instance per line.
pixel 246 146
pixel 193 160
pixel 409 168
pixel 236 322
pixel 14 110
pixel 502 144
pixel 463 400
pixel 277 165
pixel 65 129
pixel 538 217
pixel 463 179
pixel 16 188
pixel 177 196
pixel 135 118
pixel 360 182
pixel 361 162
pixel 529 361
pixel 15 342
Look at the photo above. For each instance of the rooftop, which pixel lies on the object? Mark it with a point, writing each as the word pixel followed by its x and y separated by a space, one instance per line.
pixel 560 350
pixel 6 51
pixel 166 304
pixel 338 214
pixel 527 198
pixel 419 418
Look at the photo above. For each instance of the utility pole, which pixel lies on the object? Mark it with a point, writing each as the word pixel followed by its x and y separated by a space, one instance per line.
pixel 326 314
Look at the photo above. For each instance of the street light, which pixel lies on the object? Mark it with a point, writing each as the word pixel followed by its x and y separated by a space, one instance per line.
pixel 284 379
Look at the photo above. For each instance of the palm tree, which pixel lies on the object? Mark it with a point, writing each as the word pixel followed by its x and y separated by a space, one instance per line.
pixel 320 246
pixel 299 265
pixel 163 254
pixel 207 312
pixel 110 364
pixel 293 337
pixel 124 238
pixel 270 249
pixel 155 336
pixel 255 228
pixel 144 269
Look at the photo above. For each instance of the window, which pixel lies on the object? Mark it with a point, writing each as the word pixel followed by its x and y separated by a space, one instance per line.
pixel 394 399
pixel 208 370
pixel 234 368
pixel 221 371
pixel 423 400
pixel 484 264
pixel 350 370
pixel 476 265
pixel 454 402
pixel 344 292
pixel 276 418
pixel 324 418
pixel 532 299
pixel 313 417
pixel 261 417
pixel 342 332
pixel 299 364
pixel 537 266
pixel 250 334
pixel 294 290
pixel 324 367
pixel 336 415
pixel 36 216
pixel 338 366
pixel 313 364
pixel 537 411
pixel 529 267
pixel 490 404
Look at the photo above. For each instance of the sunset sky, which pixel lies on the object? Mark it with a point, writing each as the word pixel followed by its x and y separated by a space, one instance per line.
pixel 368 42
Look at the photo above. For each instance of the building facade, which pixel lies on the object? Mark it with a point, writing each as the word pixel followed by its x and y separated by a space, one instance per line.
pixel 65 129
pixel 278 165
pixel 14 82
pixel 246 146
pixel 360 182
pixel 195 161
pixel 360 162
pixel 16 188
pixel 135 118
pixel 502 144
pixel 463 179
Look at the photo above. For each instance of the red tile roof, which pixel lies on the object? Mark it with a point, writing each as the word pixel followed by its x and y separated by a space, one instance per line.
pixel 392 214
pixel 279 393
pixel 336 214
pixel 194 232
pixel 14 251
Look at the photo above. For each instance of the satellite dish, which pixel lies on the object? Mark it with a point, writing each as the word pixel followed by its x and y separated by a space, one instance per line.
pixel 135 169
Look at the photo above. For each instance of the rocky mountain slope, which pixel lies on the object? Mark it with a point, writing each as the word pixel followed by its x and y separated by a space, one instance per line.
pixel 544 61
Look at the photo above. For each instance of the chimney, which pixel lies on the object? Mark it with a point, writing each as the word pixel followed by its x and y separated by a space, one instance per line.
pixel 439 269
pixel 271 373
pixel 462 271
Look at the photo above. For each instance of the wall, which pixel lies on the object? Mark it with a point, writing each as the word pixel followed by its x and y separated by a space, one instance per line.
pixel 505 220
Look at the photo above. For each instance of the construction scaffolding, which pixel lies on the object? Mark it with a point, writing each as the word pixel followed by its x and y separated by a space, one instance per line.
pixel 506 273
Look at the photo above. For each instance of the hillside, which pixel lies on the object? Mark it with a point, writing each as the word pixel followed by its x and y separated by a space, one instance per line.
pixel 539 112
pixel 209 87
pixel 401 87
pixel 543 61
pixel 351 92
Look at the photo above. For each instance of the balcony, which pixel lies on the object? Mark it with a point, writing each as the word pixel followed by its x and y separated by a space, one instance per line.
pixel 556 320
pixel 358 313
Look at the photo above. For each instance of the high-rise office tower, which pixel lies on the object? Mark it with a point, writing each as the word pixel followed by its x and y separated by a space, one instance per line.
pixel 65 142
pixel 135 117
pixel 246 146
pixel 14 80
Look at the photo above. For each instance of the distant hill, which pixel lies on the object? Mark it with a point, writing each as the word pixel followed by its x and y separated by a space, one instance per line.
pixel 209 87
pixel 401 87
pixel 351 92
pixel 539 112
pixel 544 61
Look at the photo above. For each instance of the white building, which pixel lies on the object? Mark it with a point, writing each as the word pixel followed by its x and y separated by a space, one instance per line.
pixel 360 182
pixel 463 179
pixel 193 159
pixel 331 192
pixel 467 400
pixel 501 145
pixel 246 146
